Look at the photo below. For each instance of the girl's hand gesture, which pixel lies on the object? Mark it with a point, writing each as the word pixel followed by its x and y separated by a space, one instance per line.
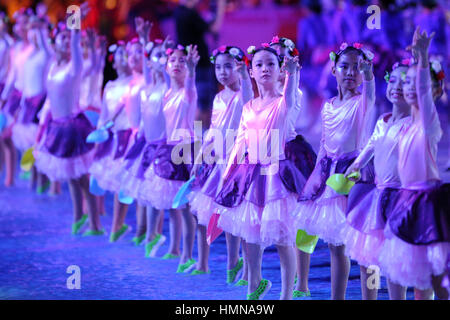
pixel 365 67
pixel 421 44
pixel 241 69
pixel 84 10
pixel 291 65
pixel 143 28
pixel 192 58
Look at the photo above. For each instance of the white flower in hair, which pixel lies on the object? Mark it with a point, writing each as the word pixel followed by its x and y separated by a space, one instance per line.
pixel 112 47
pixel 251 49
pixel 436 66
pixel 369 55
pixel 234 52
pixel 289 44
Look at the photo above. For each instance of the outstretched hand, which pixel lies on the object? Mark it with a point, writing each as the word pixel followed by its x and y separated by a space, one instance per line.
pixel 421 43
pixel 143 28
pixel 241 69
pixel 291 65
pixel 192 57
pixel 84 10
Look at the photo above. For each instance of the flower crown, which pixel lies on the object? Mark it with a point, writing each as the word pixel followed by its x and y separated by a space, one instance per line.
pixel 113 48
pixel 404 63
pixel 285 43
pixel 235 52
pixel 436 70
pixel 170 51
pixel 359 46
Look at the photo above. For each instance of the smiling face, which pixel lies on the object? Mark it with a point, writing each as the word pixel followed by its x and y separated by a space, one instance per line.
pixel 225 68
pixel 120 59
pixel 346 71
pixel 409 86
pixel 176 65
pixel 135 52
pixel 265 68
pixel 394 91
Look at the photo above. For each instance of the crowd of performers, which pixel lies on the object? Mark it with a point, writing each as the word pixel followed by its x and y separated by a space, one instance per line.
pixel 395 218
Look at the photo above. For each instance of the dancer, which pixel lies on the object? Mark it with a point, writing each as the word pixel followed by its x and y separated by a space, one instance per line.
pixel 321 210
pixel 174 159
pixel 12 91
pixel 25 125
pixel 417 231
pixel 369 204
pixel 231 72
pixel 258 195
pixel 286 47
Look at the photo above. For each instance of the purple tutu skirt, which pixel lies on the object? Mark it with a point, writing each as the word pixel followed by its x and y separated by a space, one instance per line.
pixel 367 209
pixel 417 237
pixel 260 208
pixel 25 129
pixel 136 163
pixel 322 213
pixel 108 160
pixel 12 103
pixel 165 177
pixel 63 152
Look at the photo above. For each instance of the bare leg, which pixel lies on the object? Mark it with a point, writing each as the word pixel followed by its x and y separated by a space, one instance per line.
pixel 244 255
pixel 94 217
pixel 233 244
pixel 100 200
pixel 119 214
pixel 55 188
pixel 396 292
pixel 77 198
pixel 254 257
pixel 340 269
pixel 368 293
pixel 441 291
pixel 203 249
pixel 287 266
pixel 188 235
pixel 153 217
pixel 141 220
pixel 303 263
pixel 34 178
pixel 160 221
pixel 175 232
pixel 10 161
pixel 427 294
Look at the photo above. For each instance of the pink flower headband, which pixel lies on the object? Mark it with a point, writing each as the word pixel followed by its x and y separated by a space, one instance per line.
pixel 359 46
pixel 235 52
pixel 286 43
pixel 179 47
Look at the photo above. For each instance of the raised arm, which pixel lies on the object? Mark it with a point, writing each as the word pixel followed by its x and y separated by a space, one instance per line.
pixel 143 28
pixel 246 82
pixel 191 61
pixel 290 91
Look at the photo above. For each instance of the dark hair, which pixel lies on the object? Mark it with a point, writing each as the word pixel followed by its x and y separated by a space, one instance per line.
pixel 347 50
pixel 239 56
pixel 271 50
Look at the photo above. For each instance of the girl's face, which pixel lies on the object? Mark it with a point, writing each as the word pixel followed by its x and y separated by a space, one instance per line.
pixel 21 26
pixel 62 42
pixel 158 58
pixel 135 53
pixel 225 68
pixel 409 86
pixel 176 65
pixel 394 91
pixel 346 71
pixel 120 59
pixel 265 68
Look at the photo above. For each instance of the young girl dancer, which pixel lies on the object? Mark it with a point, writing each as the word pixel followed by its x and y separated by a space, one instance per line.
pixel 34 94
pixel 63 154
pixel 231 72
pixel 417 241
pixel 369 204
pixel 257 198
pixel 126 123
pixel 168 172
pixel 286 47
pixel 12 92
pixel 321 210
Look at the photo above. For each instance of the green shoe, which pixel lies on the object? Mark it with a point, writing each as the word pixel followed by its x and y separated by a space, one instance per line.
pixel 44 188
pixel 234 273
pixel 241 283
pixel 94 233
pixel 301 294
pixel 76 226
pixel 185 267
pixel 199 272
pixel 118 234
pixel 25 175
pixel 151 248
pixel 261 291
pixel 169 256
pixel 138 240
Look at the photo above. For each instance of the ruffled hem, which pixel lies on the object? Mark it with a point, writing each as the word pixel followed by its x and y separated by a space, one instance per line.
pixel 362 247
pixel 105 171
pixel 202 206
pixel 157 191
pixel 271 224
pixel 24 136
pixel 412 265
pixel 61 169
pixel 324 217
